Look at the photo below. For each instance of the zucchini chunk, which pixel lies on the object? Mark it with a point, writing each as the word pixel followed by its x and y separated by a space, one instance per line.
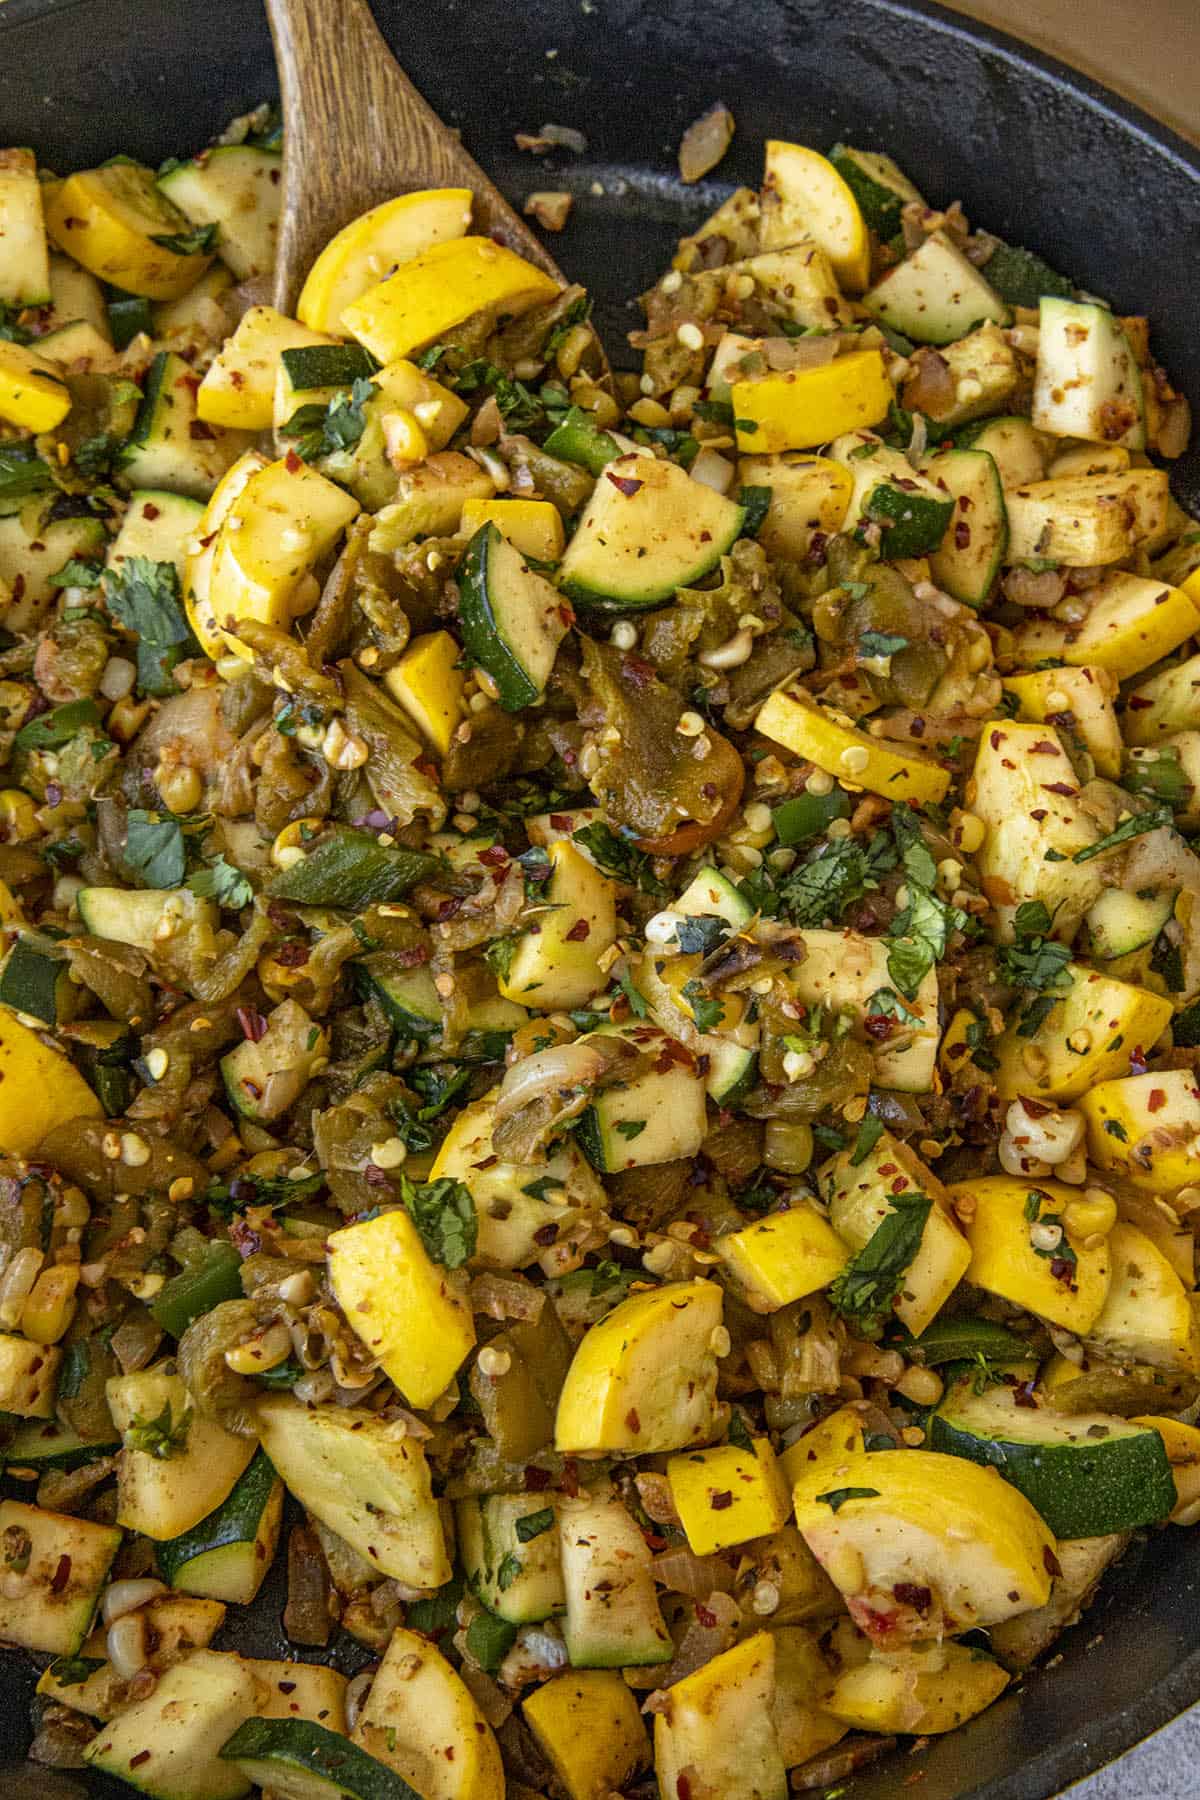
pixel 1087 384
pixel 239 189
pixel 1087 1474
pixel 912 509
pixel 227 1555
pixel 421 1721
pixel 111 219
pixel 512 619
pixel 971 1546
pixel 163 451
pixel 264 1077
pixel 880 186
pixel 612 1619
pixel 510 1555
pixel 1027 795
pixel 169 1745
pixel 238 390
pixel 969 557
pixel 54 1568
pixel 653 1117
pixel 557 960
pixel 935 295
pixel 1130 623
pixel 647 530
pixel 809 494
pixel 1019 452
pixel 843 970
pixel 645 1378
pixel 358 1477
pixel 720 1720
pixel 176 1624
pixel 1084 520
pixel 298 1759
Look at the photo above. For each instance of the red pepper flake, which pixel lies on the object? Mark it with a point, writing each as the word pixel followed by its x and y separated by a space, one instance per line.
pixel 1023 1396
pixel 705 1616
pixel 709 790
pixel 962 534
pixel 201 431
pixel 1039 813
pixel 287 1687
pixel 1050 1562
pixel 425 765
pixel 566 615
pixel 135 1762
pixel 1046 747
pixel 254 1026
pixel 293 955
pixel 494 856
pixel 561 821
pixel 996 739
pixel 722 1501
pixel 637 671
pixel 414 957
pixel 1137 1061
pixel 150 511
pixel 1062 1270
pixel 624 484
pixel 568 1481
pixel 1136 703
pixel 448 908
pixel 908 1593
pixel 1060 787
pixel 683 1788
pixel 292 463
pixel 578 932
pixel 632 1421
pixel 545 1234
pixel 1155 1099
pixel 879 1027
pixel 536 1480
pixel 61 1576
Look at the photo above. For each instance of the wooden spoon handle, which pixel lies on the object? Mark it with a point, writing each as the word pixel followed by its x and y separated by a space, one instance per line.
pixel 356 132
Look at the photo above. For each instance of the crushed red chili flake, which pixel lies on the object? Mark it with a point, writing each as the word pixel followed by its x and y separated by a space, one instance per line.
pixel 545 1234
pixel 536 1480
pixel 909 1593
pixel 721 1502
pixel 253 1024
pixel 624 484
pixel 61 1575
pixel 292 463
pixel 632 1421
pixel 705 1616
pixel 1050 1561
pixel 1137 1061
pixel 1154 1099
pixel 578 932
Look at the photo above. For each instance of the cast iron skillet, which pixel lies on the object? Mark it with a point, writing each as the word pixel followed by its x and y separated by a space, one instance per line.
pixel 1036 153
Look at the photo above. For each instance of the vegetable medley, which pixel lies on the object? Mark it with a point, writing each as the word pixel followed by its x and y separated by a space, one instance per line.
pixel 601 998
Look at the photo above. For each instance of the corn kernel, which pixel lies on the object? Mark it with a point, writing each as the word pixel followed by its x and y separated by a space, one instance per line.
pixel 50 1305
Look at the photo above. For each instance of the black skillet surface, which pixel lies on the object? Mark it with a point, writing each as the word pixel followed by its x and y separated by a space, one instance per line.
pixel 1036 153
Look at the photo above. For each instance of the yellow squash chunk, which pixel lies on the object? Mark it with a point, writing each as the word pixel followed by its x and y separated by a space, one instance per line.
pixel 28 1377
pixel 438 289
pixel 422 1720
pixel 804 197
pixel 437 410
pixel 1085 1038
pixel 1130 623
pixel 926 1689
pixel 1004 1261
pixel 860 1198
pixel 836 1437
pixel 1086 695
pixel 800 408
pixel 1085 520
pixel 33 394
pixel 842 970
pixel 808 494
pixel 835 745
pixel 163 1497
pixel 1026 792
pixel 1163 704
pixel 401 1303
pixel 50 1591
pixel 1147 1316
pixel 728 1495
pixel 929 1521
pixel 239 388
pixel 783 1257
pixel 801 1727
pixel 288 517
pixel 200 550
pixel 25 258
pixel 108 219
pixel 428 684
pixel 1169 1230
pixel 430 500
pixel 534 527
pixel 965 1034
pixel 588 1725
pixel 509 1215
pixel 645 1378
pixel 300 1690
pixel 1147 1128
pixel 717 1724
pixel 365 1479
pixel 373 244
pixel 1182 1444
pixel 177 1623
pixel 557 961
pixel 39 1088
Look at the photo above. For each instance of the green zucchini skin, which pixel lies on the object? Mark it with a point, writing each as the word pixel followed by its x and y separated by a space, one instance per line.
pixel 483 633
pixel 300 1760
pixel 327 365
pixel 512 620
pixel 234 1524
pixel 1083 1485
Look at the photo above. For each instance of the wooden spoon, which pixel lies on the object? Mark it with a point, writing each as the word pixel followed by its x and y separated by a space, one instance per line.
pixel 356 132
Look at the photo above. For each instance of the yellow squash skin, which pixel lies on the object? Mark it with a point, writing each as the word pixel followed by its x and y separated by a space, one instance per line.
pixel 805 407
pixel 108 218
pixel 926 1691
pixel 587 1722
pixel 534 527
pixel 1004 1262
pixel 837 746
pixel 33 395
pixel 1085 1038
pixel 375 242
pixel 39 1088
pixel 720 1720
pixel 438 289
pixel 783 1257
pixel 429 685
pixel 1147 1315
pixel 401 1303
pixel 1146 1128
pixel 644 1378
pixel 932 1522
pixel 728 1495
